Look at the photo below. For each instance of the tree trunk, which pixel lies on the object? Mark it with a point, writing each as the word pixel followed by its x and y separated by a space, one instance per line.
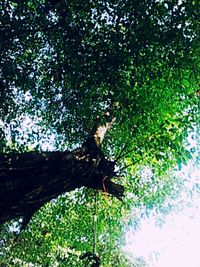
pixel 29 180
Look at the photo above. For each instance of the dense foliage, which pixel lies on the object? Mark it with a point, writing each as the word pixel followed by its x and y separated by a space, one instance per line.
pixel 65 63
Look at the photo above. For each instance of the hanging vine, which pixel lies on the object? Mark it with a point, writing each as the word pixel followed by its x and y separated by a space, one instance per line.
pixel 91 258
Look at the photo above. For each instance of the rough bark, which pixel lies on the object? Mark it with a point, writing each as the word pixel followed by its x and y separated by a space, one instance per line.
pixel 29 180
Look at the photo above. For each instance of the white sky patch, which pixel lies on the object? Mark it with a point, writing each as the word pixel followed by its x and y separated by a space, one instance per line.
pixel 176 242
pixel 31 126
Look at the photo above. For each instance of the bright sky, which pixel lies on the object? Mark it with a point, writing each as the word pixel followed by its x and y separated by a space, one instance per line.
pixel 177 242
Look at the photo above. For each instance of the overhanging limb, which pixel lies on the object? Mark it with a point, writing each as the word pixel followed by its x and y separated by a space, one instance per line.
pixel 29 180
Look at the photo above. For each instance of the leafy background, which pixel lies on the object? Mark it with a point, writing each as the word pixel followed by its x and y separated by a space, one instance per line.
pixel 65 63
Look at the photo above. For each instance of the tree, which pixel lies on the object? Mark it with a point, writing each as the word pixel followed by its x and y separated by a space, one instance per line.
pixel 31 179
pixel 68 65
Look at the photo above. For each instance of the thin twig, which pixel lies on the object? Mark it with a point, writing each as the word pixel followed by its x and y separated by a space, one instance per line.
pixel 128 165
pixel 125 154
pixel 120 153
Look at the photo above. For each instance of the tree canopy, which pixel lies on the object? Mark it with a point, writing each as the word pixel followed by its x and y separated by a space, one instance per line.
pixel 66 64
